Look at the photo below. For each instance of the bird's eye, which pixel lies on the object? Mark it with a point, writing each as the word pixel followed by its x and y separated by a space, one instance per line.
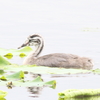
pixel 30 40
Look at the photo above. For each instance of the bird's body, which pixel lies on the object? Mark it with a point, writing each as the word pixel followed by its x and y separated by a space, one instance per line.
pixel 55 59
pixel 59 60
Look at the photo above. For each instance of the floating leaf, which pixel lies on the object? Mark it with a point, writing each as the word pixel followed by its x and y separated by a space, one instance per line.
pixel 9 55
pixel 18 75
pixel 10 52
pixel 20 82
pixel 22 55
pixel 25 49
pixel 37 82
pixel 77 93
pixel 3 78
pixel 4 61
pixel 51 82
pixel 1 71
pixel 38 79
pixel 82 98
pixel 11 81
pixel 97 71
pixel 2 99
pixel 3 51
pixel 2 94
pixel 45 70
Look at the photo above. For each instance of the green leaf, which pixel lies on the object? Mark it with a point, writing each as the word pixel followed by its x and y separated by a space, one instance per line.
pixel 97 71
pixel 10 52
pixel 9 55
pixel 2 94
pixel 25 49
pixel 4 61
pixel 11 81
pixel 18 75
pixel 38 79
pixel 39 83
pixel 2 99
pixel 22 55
pixel 3 78
pixel 3 51
pixel 45 70
pixel 77 93
pixel 36 82
pixel 51 83
pixel 1 71
pixel 82 98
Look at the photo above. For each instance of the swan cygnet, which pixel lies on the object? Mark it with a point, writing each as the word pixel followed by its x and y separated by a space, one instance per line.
pixel 53 60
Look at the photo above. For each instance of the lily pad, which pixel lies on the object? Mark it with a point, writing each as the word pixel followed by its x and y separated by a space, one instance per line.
pixel 9 55
pixel 18 75
pixel 11 81
pixel 3 78
pixel 12 52
pixel 7 66
pixel 78 93
pixel 96 71
pixel 3 61
pixel 44 70
pixel 1 71
pixel 82 98
pixel 37 82
pixel 2 94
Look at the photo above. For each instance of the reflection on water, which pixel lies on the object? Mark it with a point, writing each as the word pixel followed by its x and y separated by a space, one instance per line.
pixel 64 82
pixel 67 26
pixel 86 98
pixel 35 91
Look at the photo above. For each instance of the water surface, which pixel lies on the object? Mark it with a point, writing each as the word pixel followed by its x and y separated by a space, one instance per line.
pixel 66 26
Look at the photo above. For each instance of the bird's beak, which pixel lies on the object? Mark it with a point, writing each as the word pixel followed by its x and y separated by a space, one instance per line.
pixel 23 45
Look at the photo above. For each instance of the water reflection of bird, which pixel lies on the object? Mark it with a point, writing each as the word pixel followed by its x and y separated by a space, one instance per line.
pixel 55 59
pixel 35 91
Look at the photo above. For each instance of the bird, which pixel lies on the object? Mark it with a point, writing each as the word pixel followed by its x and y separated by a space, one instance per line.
pixel 58 60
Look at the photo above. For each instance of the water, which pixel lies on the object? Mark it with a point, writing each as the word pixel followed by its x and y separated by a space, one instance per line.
pixel 66 26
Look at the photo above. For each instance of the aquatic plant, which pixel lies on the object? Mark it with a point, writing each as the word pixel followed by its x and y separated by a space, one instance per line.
pixel 2 94
pixel 78 93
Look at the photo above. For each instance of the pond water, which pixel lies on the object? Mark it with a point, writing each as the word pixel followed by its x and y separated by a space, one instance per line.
pixel 66 26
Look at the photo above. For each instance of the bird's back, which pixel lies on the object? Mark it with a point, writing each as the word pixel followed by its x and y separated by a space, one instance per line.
pixel 63 60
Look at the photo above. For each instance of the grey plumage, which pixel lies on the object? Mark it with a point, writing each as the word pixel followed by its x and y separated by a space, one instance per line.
pixel 53 60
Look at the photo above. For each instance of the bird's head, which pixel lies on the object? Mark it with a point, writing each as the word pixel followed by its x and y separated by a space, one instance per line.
pixel 32 40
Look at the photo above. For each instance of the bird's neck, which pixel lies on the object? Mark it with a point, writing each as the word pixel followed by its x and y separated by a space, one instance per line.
pixel 38 49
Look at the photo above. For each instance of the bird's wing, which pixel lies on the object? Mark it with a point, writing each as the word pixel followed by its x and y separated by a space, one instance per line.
pixel 55 59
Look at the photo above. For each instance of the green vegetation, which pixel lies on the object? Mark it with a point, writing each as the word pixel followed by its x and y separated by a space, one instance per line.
pixel 19 79
pixel 12 75
pixel 2 94
pixel 14 52
pixel 79 93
